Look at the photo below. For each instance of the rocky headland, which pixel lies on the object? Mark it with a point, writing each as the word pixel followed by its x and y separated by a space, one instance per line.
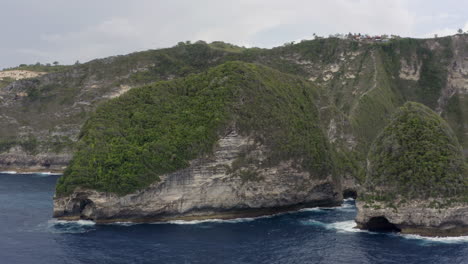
pixel 207 189
pixel 300 119
pixel 245 141
pixel 416 177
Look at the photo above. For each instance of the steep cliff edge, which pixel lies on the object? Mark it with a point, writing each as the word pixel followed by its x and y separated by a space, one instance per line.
pixel 207 189
pixel 360 86
pixel 42 115
pixel 241 139
pixel 416 177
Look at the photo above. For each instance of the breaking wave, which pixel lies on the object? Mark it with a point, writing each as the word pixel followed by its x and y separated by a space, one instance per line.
pixel 343 226
pixel 447 240
pixel 62 226
pixel 349 226
pixel 8 172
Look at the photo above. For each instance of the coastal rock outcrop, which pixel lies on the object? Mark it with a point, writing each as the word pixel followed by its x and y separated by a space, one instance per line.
pixel 416 177
pixel 238 140
pixel 209 188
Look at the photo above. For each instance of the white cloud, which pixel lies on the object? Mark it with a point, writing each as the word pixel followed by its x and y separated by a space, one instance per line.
pixel 145 24
pixel 441 32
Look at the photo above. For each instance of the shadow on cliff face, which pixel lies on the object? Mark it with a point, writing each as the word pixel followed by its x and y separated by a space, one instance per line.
pixel 381 224
pixel 350 193
pixel 83 208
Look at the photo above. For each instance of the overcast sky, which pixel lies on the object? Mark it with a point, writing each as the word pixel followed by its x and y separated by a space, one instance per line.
pixel 65 31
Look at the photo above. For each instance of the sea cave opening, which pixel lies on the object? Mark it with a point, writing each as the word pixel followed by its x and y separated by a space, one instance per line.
pixel 83 207
pixel 381 224
pixel 349 193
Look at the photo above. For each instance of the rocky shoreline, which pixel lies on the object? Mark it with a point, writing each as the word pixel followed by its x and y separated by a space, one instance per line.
pixel 415 217
pixel 31 171
pixel 209 188
pixel 208 215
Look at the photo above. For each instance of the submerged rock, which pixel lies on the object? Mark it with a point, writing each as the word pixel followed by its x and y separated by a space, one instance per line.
pixel 416 177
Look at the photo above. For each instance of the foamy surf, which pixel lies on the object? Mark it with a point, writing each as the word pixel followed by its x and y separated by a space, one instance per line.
pixel 343 226
pixel 345 206
pixel 62 226
pixel 215 221
pixel 447 240
pixel 313 209
pixel 48 173
pixel 349 226
pixel 38 173
pixel 8 172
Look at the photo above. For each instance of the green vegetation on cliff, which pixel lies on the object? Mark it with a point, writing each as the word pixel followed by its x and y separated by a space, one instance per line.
pixel 416 156
pixel 40 67
pixel 156 129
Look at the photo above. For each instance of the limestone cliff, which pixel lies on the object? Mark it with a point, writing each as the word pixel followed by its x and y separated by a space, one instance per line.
pixel 414 217
pixel 209 188
pixel 240 139
pixel 416 179
pixel 360 84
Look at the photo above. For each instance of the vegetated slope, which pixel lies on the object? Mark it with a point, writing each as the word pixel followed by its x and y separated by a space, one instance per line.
pixel 156 129
pixel 359 84
pixel 46 113
pixel 416 156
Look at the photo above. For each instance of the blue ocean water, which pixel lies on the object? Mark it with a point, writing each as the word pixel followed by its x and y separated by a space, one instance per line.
pixel 28 234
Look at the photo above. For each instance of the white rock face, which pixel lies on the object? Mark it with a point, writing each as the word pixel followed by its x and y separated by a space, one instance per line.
pixel 209 188
pixel 416 217
pixel 19 74
pixel 410 70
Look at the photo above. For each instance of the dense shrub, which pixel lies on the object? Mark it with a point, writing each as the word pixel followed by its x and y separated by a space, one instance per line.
pixel 156 129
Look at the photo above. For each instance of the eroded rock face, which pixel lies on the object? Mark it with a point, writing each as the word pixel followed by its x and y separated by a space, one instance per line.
pixel 209 188
pixel 414 218
pixel 20 74
pixel 415 178
pixel 22 161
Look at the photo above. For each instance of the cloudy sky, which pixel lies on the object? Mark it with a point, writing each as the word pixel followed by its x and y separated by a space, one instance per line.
pixel 66 31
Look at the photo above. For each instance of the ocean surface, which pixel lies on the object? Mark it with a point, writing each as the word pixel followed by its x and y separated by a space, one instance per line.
pixel 28 234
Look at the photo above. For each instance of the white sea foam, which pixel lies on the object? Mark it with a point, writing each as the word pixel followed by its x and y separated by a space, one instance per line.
pixel 62 226
pixel 47 173
pixel 349 226
pixel 8 172
pixel 343 207
pixel 77 222
pixel 228 221
pixel 123 223
pixel 448 240
pixel 343 226
pixel 313 209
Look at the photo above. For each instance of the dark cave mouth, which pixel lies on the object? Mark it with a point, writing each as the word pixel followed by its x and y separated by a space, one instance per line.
pixel 82 208
pixel 349 193
pixel 381 224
